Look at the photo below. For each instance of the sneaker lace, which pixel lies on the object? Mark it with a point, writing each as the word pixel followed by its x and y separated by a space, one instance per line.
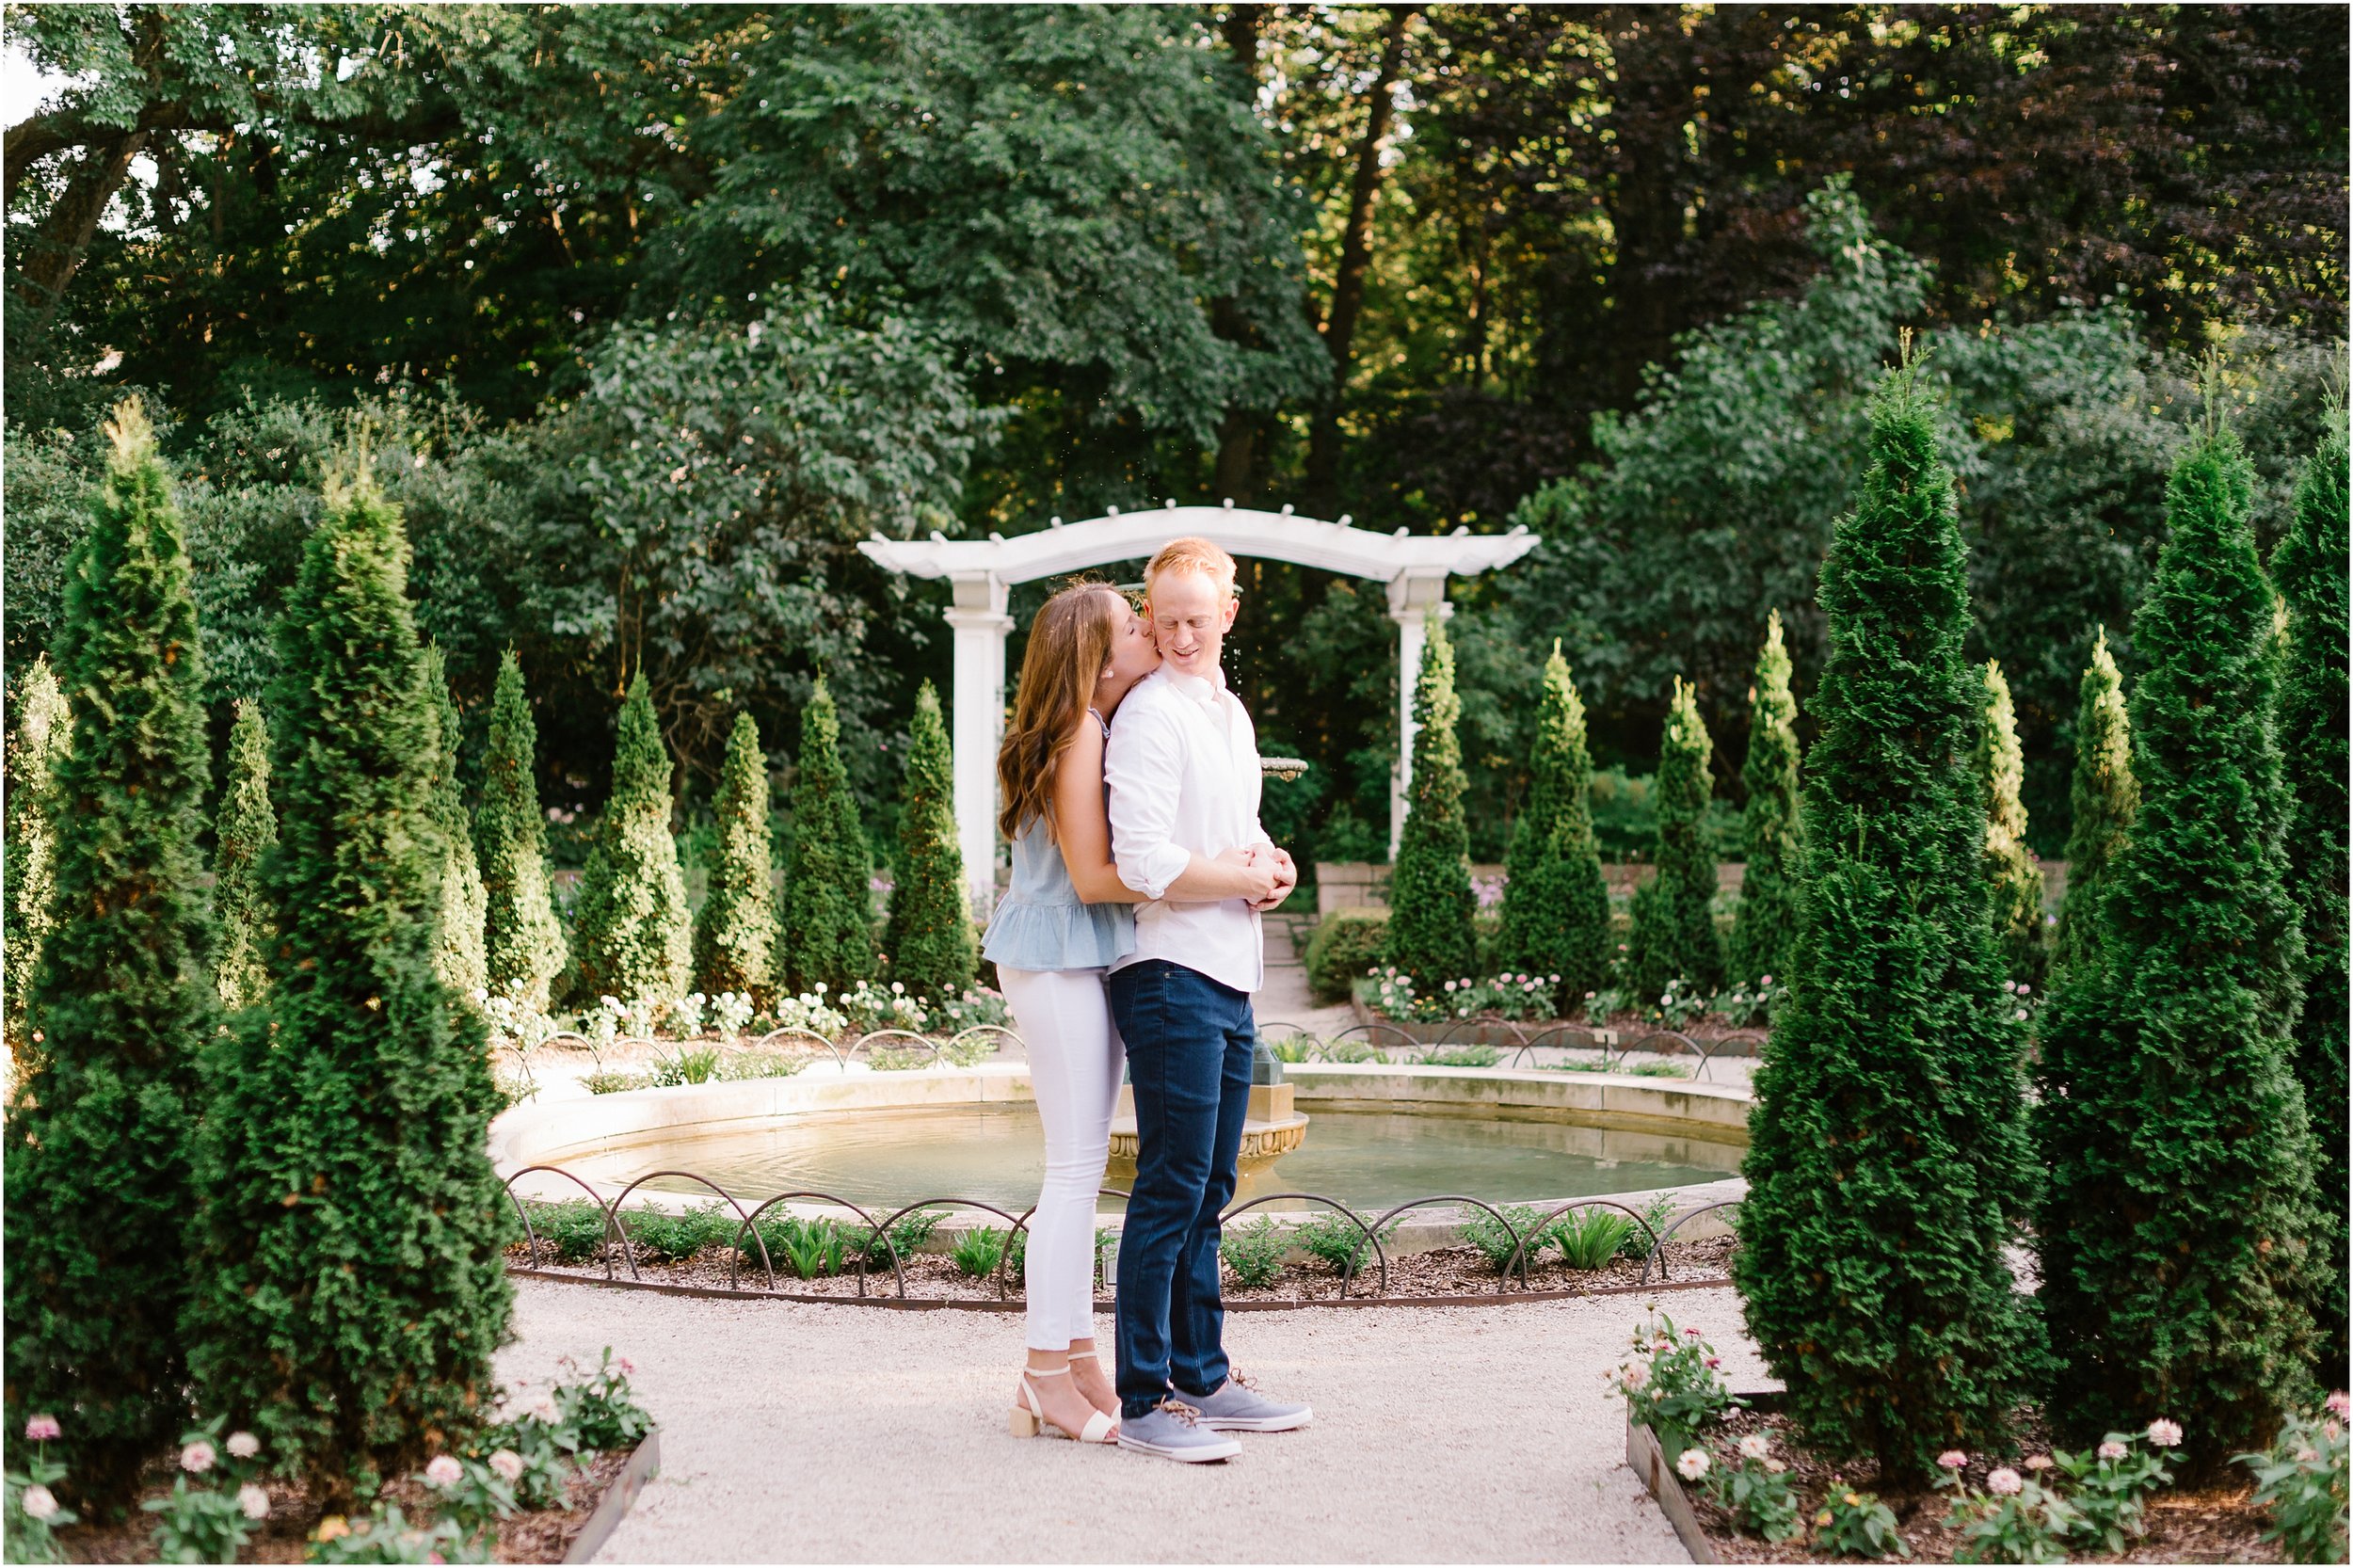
pixel 1184 1413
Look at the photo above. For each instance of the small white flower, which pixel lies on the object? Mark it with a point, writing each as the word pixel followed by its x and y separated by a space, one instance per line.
pixel 197 1457
pixel 2113 1450
pixel 508 1466
pixel 2165 1434
pixel 2021 1015
pixel 1755 1445
pixel 244 1445
pixel 252 1502
pixel 444 1471
pixel 1693 1464
pixel 38 1502
pixel 2005 1482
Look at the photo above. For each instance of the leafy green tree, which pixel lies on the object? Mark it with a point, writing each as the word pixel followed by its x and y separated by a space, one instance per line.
pixel 2178 1258
pixel 1431 906
pixel 633 934
pixel 1556 907
pixel 350 1283
pixel 1675 940
pixel 2105 800
pixel 2010 870
pixel 246 832
pixel 828 934
pixel 1888 1165
pixel 2310 569
pixel 98 1186
pixel 929 936
pixel 44 735
pixel 464 965
pixel 1770 834
pixel 521 937
pixel 735 930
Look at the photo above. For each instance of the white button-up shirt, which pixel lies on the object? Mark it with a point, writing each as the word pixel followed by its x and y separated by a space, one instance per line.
pixel 1182 763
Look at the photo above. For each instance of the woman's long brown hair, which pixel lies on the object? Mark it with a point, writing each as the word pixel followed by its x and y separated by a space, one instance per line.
pixel 1070 642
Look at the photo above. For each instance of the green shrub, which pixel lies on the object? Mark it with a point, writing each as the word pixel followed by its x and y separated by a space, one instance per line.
pixel 1591 1238
pixel 633 940
pixel 700 1065
pixel 1341 1241
pixel 462 960
pixel 929 936
pixel 2105 799
pixel 98 1131
pixel 575 1228
pixel 676 1238
pixel 1556 907
pixel 1431 906
pixel 1460 1056
pixel 735 930
pixel 1771 837
pixel 247 830
pixel 2013 879
pixel 1675 934
pixel 521 937
pixel 1256 1251
pixel 2302 1481
pixel 44 733
pixel 828 939
pixel 978 1250
pixel 1497 1243
pixel 907 1234
pixel 1347 943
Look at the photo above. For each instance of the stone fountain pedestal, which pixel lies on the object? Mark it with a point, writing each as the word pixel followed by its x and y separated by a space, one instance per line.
pixel 1270 1129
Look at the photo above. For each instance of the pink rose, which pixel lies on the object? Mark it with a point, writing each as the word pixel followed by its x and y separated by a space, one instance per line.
pixel 2004 1482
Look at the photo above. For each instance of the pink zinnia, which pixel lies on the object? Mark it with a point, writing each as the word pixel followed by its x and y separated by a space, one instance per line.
pixel 197 1457
pixel 2165 1434
pixel 2339 1403
pixel 629 1367
pixel 509 1465
pixel 252 1502
pixel 43 1429
pixel 1951 1459
pixel 443 1471
pixel 1690 1334
pixel 2038 1462
pixel 1715 1361
pixel 2113 1450
pixel 2004 1482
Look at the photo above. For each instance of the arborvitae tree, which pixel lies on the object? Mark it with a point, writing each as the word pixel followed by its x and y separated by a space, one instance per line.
pixel 2010 871
pixel 929 936
pixel 2178 1262
pixel 1888 1165
pixel 351 1283
pixel 2104 799
pixel 44 732
pixel 97 1170
pixel 2310 568
pixel 633 932
pixel 1430 903
pixel 828 935
pixel 464 964
pixel 1674 927
pixel 521 937
pixel 1556 907
pixel 735 930
pixel 1769 834
pixel 247 830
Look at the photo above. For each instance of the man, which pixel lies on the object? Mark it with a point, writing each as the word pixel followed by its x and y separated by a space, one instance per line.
pixel 1182 763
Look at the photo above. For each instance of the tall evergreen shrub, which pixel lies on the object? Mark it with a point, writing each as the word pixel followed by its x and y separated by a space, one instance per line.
pixel 1887 1164
pixel 1556 907
pixel 464 964
pixel 351 1287
pixel 2177 1260
pixel 2104 799
pixel 632 932
pixel 98 1186
pixel 2310 569
pixel 44 733
pixel 1770 835
pixel 735 930
pixel 1674 925
pixel 2010 870
pixel 828 935
pixel 246 831
pixel 521 937
pixel 1431 905
pixel 929 936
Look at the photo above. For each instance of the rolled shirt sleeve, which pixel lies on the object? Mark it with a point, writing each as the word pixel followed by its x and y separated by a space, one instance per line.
pixel 1143 765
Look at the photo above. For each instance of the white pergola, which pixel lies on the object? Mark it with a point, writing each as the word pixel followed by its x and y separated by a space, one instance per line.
pixel 982 572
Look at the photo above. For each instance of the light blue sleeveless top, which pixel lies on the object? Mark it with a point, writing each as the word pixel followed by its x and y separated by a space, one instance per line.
pixel 1042 922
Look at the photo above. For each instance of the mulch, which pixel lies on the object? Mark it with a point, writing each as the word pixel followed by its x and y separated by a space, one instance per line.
pixel 2215 1523
pixel 933 1276
pixel 542 1536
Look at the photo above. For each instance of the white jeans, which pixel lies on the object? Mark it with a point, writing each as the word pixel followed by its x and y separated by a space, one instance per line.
pixel 1075 1056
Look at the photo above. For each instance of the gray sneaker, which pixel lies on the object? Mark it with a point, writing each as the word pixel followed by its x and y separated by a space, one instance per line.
pixel 1169 1430
pixel 1236 1407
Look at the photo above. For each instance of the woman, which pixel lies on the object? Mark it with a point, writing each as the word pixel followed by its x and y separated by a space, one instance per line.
pixel 1065 920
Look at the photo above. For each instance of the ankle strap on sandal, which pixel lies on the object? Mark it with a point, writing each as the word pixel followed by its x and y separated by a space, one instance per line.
pixel 1061 1371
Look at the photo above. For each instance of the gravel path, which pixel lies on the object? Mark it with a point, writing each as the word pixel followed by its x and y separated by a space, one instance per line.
pixel 804 1434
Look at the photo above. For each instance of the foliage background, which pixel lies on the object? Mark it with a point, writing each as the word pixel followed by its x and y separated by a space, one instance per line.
pixel 652 312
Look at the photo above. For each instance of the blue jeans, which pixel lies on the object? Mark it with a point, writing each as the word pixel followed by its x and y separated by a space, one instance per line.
pixel 1188 1046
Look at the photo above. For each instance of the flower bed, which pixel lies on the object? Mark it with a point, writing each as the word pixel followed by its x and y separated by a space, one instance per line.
pixel 546 1482
pixel 1736 1478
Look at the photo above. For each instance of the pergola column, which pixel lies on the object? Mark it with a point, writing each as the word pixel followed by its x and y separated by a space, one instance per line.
pixel 979 625
pixel 1414 597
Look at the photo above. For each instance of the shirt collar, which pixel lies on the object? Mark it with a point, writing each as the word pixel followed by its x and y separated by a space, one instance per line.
pixel 1205 690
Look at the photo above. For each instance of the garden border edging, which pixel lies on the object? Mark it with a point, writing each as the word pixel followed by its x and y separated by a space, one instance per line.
pixel 644 1463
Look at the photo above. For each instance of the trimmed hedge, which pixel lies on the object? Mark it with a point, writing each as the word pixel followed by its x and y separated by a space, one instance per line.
pixel 1347 943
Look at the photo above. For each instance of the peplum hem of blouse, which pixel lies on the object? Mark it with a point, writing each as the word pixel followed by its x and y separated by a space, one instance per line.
pixel 1028 935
